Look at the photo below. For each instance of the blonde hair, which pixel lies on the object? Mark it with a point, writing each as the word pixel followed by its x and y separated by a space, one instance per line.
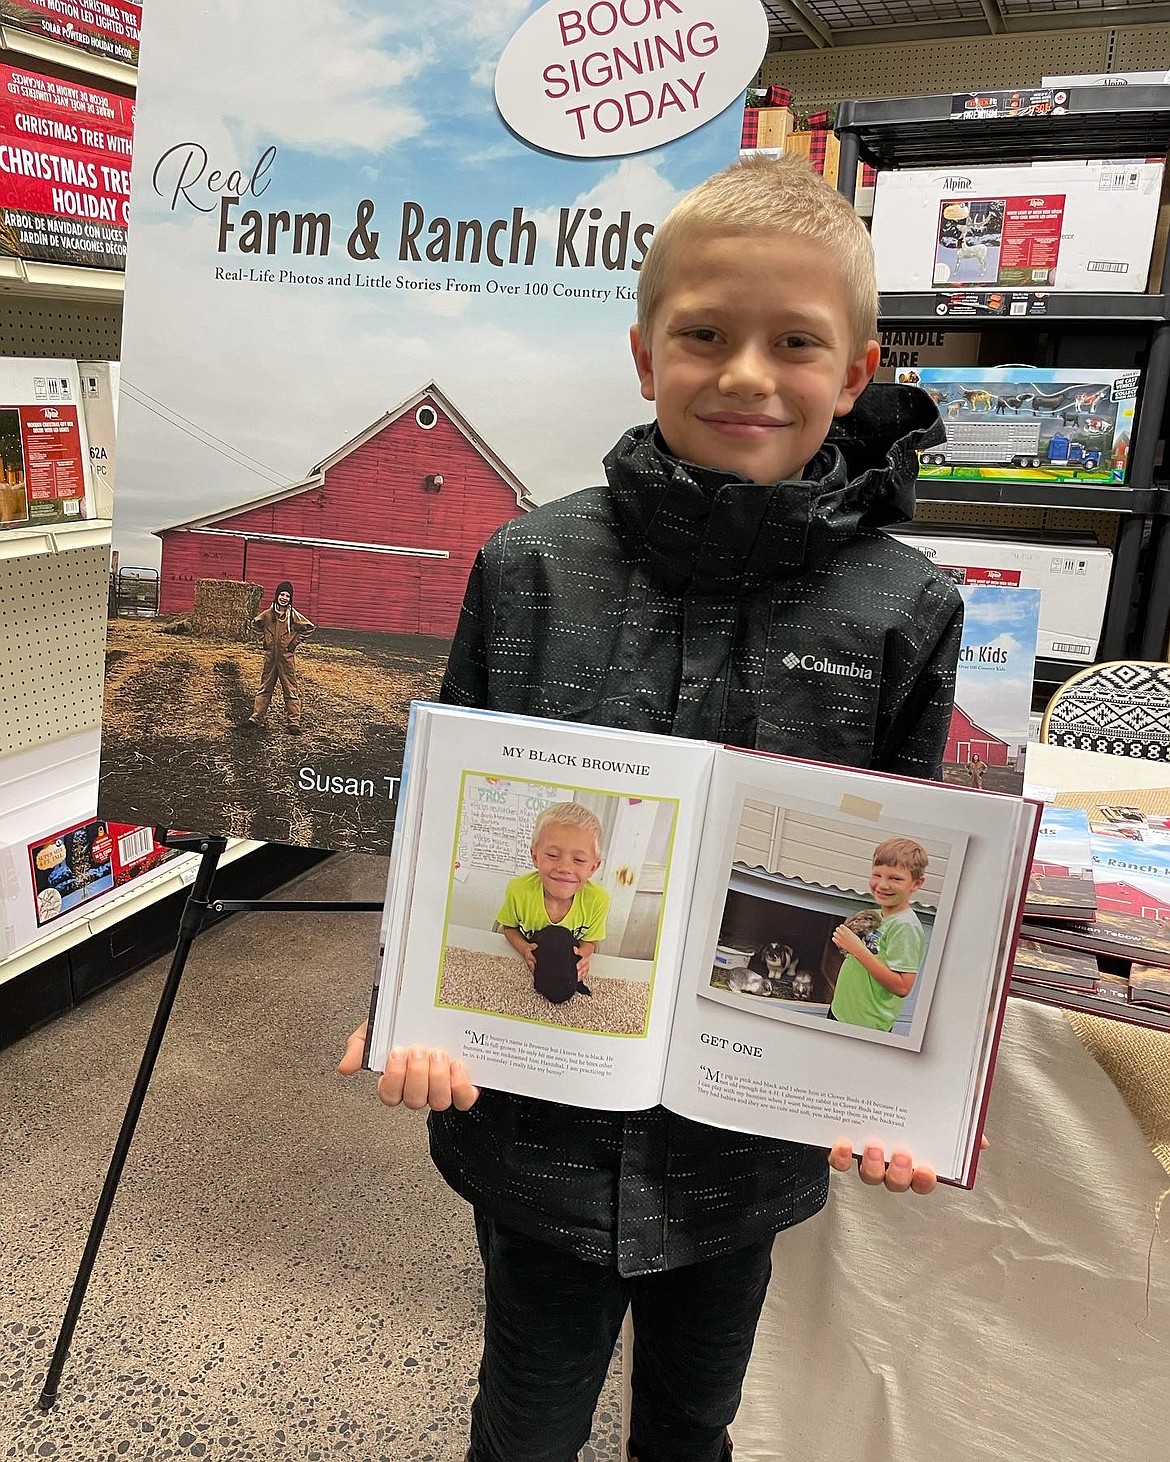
pixel 569 814
pixel 767 195
pixel 902 853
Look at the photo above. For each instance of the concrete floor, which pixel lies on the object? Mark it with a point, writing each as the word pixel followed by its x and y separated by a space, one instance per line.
pixel 284 1275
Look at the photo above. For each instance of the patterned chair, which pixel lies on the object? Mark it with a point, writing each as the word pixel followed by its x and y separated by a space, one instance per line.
pixel 1120 706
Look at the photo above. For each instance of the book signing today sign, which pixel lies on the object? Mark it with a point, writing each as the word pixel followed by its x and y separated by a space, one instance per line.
pixel 381 271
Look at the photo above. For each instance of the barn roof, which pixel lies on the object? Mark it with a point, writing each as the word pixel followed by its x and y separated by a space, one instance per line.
pixel 317 476
pixel 963 728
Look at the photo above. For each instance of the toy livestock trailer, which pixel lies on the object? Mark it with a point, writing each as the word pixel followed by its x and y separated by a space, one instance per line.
pixel 1029 424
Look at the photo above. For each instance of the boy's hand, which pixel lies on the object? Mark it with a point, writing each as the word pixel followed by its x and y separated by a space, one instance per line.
pixel 528 955
pixel 416 1078
pixel 582 962
pixel 847 941
pixel 899 1176
pixel 419 1077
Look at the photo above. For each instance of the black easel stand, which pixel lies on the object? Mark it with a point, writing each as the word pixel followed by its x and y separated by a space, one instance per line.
pixel 198 904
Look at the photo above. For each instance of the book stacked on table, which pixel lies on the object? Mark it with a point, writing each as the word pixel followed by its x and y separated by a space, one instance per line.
pixel 1102 943
pixel 1060 882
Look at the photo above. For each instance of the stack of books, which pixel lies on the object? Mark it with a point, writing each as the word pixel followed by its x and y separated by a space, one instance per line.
pixel 1096 932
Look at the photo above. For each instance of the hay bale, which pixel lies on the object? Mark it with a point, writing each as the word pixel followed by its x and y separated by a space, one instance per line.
pixel 224 609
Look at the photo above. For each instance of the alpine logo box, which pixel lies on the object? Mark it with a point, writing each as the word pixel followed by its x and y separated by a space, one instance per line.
pixel 1084 227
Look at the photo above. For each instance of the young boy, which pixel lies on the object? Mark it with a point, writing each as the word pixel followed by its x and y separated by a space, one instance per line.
pixel 728 581
pixel 282 628
pixel 872 984
pixel 566 853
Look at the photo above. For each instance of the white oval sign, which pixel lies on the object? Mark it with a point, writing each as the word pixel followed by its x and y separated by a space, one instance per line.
pixel 603 78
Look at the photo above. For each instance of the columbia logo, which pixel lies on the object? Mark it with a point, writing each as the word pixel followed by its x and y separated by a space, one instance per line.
pixel 827 667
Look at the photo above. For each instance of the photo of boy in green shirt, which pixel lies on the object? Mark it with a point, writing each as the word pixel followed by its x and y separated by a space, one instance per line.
pixel 874 982
pixel 566 852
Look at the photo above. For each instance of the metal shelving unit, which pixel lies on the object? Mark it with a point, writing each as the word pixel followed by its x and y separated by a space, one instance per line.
pixel 921 131
pixel 1134 121
pixel 1065 309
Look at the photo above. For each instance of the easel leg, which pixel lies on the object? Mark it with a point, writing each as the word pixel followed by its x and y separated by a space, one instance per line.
pixel 196 907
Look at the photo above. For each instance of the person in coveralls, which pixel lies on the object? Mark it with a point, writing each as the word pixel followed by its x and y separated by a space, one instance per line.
pixel 283 628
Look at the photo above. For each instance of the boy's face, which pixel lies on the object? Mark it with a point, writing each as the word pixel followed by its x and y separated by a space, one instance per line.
pixel 891 885
pixel 751 354
pixel 566 859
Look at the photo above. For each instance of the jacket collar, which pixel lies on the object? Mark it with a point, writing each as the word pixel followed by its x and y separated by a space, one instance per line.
pixel 706 531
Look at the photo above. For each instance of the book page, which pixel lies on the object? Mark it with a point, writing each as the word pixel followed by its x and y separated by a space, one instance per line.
pixel 788 859
pixel 539 844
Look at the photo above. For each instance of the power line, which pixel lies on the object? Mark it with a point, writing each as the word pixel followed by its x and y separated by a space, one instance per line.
pixel 141 391
pixel 205 438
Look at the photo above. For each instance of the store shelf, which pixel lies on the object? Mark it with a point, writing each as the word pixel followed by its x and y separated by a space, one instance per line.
pixel 1091 498
pixel 66 282
pixel 136 896
pixel 1103 309
pixel 1056 672
pixel 919 131
pixel 41 48
pixel 1092 123
pixel 60 538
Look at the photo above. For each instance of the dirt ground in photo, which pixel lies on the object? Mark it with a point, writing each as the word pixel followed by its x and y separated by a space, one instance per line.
pixel 501 985
pixel 176 751
pixel 995 779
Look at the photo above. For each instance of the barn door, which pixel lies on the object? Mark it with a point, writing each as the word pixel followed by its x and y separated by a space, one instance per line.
pixel 376 592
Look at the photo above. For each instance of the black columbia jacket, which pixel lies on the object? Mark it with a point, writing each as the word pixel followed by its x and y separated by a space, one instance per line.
pixel 681 600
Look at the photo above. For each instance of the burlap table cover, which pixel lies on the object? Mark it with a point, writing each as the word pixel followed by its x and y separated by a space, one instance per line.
pixel 1028 1320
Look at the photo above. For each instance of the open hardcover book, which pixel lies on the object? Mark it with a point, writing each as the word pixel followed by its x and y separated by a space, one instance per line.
pixel 701 887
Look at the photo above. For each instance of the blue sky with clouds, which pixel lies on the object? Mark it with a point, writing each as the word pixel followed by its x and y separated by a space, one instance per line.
pixel 361 100
pixel 1145 865
pixel 998 695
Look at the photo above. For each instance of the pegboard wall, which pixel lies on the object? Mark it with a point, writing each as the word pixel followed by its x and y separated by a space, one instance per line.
pixel 1103 526
pixel 60 328
pixel 920 68
pixel 53 609
pixel 1141 48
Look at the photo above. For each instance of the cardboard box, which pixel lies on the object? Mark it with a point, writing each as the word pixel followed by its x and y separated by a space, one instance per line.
pixel 44 447
pixel 821 150
pixel 1110 78
pixel 1027 424
pixel 1073 583
pixel 773 126
pixel 912 348
pixel 99 401
pixel 58 859
pixel 1071 226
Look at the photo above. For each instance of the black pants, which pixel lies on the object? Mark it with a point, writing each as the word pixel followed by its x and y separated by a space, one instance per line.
pixel 549 1331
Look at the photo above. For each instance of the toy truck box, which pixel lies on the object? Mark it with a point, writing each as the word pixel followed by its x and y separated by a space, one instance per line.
pixel 1027 424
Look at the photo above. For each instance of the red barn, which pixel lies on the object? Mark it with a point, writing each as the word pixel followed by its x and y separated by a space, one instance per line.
pixel 379 536
pixel 965 739
pixel 1123 898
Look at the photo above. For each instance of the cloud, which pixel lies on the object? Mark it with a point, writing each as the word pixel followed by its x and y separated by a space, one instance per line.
pixel 635 183
pixel 990 608
pixel 322 76
pixel 998 704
